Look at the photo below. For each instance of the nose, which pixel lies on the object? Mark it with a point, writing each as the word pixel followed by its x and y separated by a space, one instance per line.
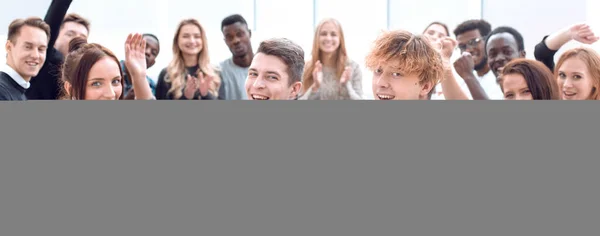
pixel 258 83
pixel 567 83
pixel 381 82
pixel 109 93
pixel 235 41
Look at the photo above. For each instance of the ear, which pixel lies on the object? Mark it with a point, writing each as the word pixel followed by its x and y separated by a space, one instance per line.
pixel 295 90
pixel 523 54
pixel 425 89
pixel 8 46
pixel 249 33
pixel 67 87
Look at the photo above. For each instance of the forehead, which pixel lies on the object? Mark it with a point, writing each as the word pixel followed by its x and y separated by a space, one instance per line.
pixel 437 28
pixel 329 26
pixel 502 40
pixel 469 35
pixel 105 68
pixel 269 63
pixel 573 64
pixel 74 26
pixel 151 41
pixel 237 26
pixel 32 35
pixel 190 29
pixel 514 80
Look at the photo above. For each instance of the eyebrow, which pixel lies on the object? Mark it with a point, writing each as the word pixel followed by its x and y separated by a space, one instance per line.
pixel 273 72
pixel 100 79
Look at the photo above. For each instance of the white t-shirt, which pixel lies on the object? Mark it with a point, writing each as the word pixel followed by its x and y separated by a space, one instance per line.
pixel 487 82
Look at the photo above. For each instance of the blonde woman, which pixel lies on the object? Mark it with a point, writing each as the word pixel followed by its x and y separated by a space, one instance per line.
pixel 330 74
pixel 189 76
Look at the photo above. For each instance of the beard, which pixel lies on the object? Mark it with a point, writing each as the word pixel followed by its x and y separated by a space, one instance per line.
pixel 481 64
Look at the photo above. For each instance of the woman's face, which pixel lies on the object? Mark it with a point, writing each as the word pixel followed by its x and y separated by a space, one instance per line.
pixel 574 80
pixel 104 81
pixel 435 33
pixel 329 38
pixel 190 40
pixel 515 87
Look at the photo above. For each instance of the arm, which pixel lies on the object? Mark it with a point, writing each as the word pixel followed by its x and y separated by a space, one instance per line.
pixel 464 67
pixel 4 94
pixel 54 17
pixel 135 63
pixel 450 87
pixel 545 50
pixel 222 90
pixel 355 89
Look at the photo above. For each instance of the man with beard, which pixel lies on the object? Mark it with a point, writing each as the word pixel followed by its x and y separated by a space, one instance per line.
pixel 235 69
pixel 473 66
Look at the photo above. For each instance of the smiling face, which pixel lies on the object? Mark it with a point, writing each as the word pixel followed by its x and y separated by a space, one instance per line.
pixel 329 38
pixel 268 79
pixel 189 40
pixel 501 49
pixel 104 81
pixel 27 52
pixel 237 38
pixel 390 84
pixel 515 87
pixel 575 80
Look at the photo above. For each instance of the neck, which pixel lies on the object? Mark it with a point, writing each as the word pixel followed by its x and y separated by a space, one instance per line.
pixel 483 70
pixel 190 60
pixel 328 59
pixel 244 61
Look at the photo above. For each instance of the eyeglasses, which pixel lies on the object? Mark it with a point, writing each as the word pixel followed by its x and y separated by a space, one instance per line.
pixel 471 44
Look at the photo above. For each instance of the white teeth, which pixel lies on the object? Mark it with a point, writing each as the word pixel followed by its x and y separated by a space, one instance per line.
pixel 259 97
pixel 386 97
pixel 32 63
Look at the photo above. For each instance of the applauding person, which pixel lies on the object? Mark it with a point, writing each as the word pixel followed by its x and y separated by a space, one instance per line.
pixel 330 74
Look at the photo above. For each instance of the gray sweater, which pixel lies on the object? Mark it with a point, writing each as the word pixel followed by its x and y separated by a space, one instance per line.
pixel 331 89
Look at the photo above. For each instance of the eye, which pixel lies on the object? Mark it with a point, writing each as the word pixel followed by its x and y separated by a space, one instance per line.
pixel 116 81
pixel 378 71
pixel 28 46
pixel 96 84
pixel 526 91
pixel 396 74
pixel 252 74
pixel 509 95
pixel 577 77
pixel 562 75
pixel 270 77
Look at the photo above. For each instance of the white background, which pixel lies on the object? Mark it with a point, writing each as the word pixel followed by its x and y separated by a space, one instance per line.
pixel 362 20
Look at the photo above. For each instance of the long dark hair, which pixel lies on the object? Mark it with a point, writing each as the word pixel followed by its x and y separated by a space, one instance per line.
pixel 82 57
pixel 538 77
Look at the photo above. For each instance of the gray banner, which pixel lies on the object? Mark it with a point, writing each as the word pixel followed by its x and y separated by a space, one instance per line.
pixel 299 168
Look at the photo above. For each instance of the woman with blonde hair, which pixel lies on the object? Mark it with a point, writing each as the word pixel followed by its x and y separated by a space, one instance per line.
pixel 578 74
pixel 330 74
pixel 189 75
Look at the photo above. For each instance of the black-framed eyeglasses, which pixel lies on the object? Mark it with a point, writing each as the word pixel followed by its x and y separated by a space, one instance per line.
pixel 471 44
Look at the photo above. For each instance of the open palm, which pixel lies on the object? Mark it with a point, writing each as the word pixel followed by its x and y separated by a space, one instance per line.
pixel 135 58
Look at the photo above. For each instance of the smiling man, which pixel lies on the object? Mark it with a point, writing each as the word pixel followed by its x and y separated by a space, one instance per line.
pixel 26 53
pixel 276 71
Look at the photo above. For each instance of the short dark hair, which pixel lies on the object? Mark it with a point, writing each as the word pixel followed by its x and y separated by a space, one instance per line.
pixel 72 17
pixel 14 29
pixel 539 78
pixel 483 26
pixel 151 36
pixel 232 19
pixel 289 52
pixel 510 30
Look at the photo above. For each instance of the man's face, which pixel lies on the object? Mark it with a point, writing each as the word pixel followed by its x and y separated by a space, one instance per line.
pixel 268 79
pixel 152 50
pixel 391 84
pixel 237 37
pixel 501 49
pixel 69 31
pixel 27 52
pixel 473 43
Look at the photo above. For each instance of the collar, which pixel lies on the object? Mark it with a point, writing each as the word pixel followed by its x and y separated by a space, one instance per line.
pixel 15 76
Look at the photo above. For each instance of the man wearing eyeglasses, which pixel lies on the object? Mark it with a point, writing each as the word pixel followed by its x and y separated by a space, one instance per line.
pixel 473 66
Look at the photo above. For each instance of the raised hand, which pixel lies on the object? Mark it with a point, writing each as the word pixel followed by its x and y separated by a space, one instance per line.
pixel 464 66
pixel 583 33
pixel 448 46
pixel 346 75
pixel 135 55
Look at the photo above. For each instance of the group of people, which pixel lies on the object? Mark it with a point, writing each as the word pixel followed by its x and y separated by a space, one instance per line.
pixel 50 59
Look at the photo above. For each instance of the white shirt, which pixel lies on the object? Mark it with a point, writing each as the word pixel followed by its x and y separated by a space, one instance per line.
pixel 15 76
pixel 487 82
